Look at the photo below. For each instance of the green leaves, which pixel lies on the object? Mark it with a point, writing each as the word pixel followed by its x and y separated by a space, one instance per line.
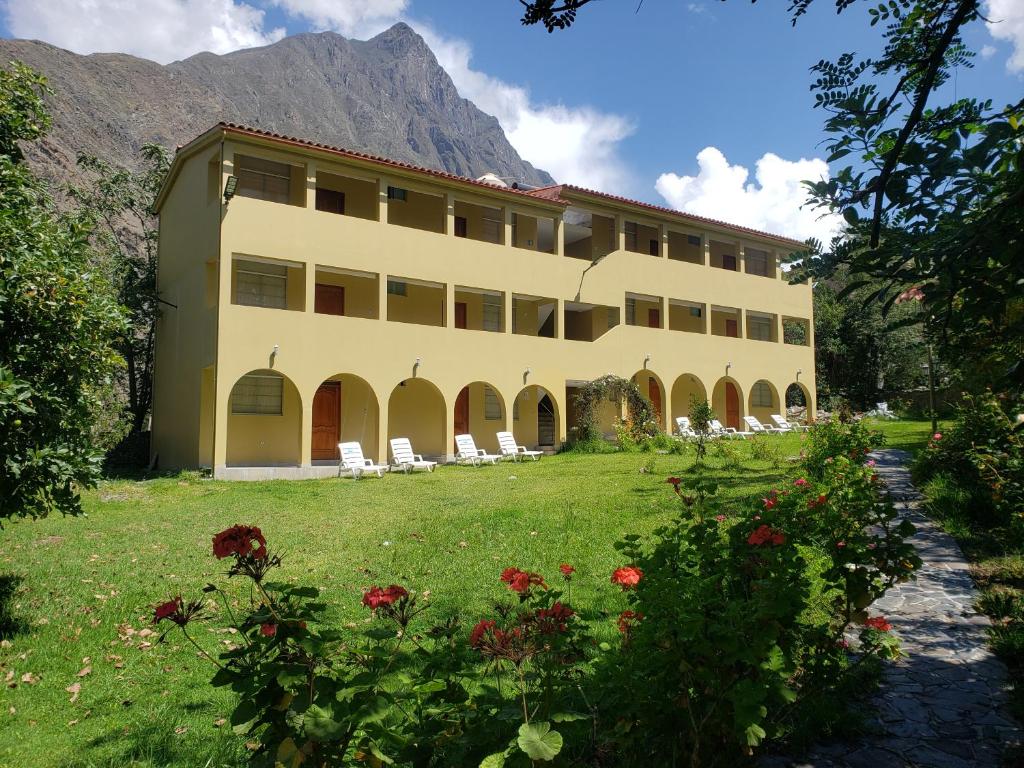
pixel 539 742
pixel 320 724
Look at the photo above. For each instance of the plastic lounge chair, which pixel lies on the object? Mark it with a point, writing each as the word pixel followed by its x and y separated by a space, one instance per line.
pixel 787 426
pixel 468 453
pixel 683 427
pixel 509 449
pixel 757 427
pixel 405 460
pixel 352 460
pixel 721 431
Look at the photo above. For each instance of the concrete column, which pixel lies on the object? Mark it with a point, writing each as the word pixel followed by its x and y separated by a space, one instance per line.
pixel 664 241
pixel 449 306
pixel 620 232
pixel 741 257
pixel 506 236
pixel 559 236
pixel 311 185
pixel 741 323
pixel 310 295
pixel 306 430
pixel 559 319
pixel 706 238
pixel 778 328
pixel 449 429
pixel 382 199
pixel 382 296
pixel 383 447
pixel 220 430
pixel 506 305
pixel 449 217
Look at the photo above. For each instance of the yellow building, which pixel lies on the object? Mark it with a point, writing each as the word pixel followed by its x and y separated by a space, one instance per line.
pixel 316 295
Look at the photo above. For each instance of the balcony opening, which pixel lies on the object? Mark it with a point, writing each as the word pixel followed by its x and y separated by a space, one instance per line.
pixel 415 301
pixel 761 326
pixel 724 255
pixel 685 247
pixel 477 309
pixel 268 283
pixel 588 235
pixel 533 233
pixel 270 180
pixel 725 321
pixel 642 238
pixel 687 316
pixel 479 222
pixel 418 210
pixel 346 196
pixel 589 322
pixel 643 310
pixel 534 316
pixel 796 331
pixel 759 262
pixel 346 292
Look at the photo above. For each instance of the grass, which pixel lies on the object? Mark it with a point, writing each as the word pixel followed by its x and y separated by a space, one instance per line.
pixel 89 584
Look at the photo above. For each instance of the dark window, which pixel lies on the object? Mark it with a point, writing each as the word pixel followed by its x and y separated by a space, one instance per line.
pixel 694 311
pixel 729 261
pixel 693 240
pixel 396 193
pixel 652 247
pixel 263 179
pixel 330 200
pixel 461 228
pixel 396 287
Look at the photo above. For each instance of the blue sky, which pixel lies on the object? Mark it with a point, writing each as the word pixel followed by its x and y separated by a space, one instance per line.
pixel 702 105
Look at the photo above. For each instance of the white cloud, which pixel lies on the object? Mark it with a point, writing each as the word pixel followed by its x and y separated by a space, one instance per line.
pixel 353 18
pixel 1006 23
pixel 772 204
pixel 162 30
pixel 576 145
pixel 988 51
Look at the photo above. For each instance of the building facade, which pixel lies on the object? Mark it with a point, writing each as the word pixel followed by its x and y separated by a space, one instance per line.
pixel 315 295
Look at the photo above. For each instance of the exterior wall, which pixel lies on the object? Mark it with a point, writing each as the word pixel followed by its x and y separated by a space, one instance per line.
pixel 360 195
pixel 680 319
pixel 361 293
pixel 436 361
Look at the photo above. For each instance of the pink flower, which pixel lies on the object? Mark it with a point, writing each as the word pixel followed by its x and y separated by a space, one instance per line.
pixel 268 630
pixel 720 518
pixel 937 436
pixel 840 544
pixel 800 483
pixel 871 462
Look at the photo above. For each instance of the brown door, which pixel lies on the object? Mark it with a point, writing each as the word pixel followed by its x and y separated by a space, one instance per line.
pixel 728 261
pixel 461 230
pixel 330 299
pixel 460 315
pixel 326 420
pixel 732 406
pixel 654 318
pixel 731 328
pixel 654 394
pixel 462 410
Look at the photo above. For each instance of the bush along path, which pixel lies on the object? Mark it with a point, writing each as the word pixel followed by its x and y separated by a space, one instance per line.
pixel 944 704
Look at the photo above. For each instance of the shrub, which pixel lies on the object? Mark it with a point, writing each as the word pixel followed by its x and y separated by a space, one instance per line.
pixel 832 438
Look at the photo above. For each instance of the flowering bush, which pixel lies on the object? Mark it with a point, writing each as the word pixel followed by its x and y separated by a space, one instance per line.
pixel 830 439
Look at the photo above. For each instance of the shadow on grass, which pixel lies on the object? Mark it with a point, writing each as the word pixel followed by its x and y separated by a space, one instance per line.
pixel 10 624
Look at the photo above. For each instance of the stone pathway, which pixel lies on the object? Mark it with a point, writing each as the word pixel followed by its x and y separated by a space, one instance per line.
pixel 945 704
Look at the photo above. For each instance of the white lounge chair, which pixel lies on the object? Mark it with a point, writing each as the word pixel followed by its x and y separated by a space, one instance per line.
pixel 683 427
pixel 468 453
pixel 787 426
pixel 757 427
pixel 718 430
pixel 352 460
pixel 509 449
pixel 404 459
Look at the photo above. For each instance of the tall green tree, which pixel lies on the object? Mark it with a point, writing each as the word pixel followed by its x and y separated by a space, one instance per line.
pixel 58 324
pixel 125 246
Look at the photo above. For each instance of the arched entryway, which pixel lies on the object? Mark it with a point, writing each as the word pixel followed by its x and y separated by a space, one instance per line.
pixel 345 409
pixel 416 410
pixel 480 412
pixel 535 418
pixel 727 402
pixel 651 387
pixel 798 398
pixel 763 401
pixel 686 389
pixel 264 421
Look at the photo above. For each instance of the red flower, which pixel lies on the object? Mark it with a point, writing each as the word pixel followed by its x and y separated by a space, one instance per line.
pixel 812 503
pixel 567 570
pixel 720 518
pixel 268 630
pixel 553 619
pixel 628 620
pixel 521 581
pixel 879 623
pixel 674 481
pixel 937 436
pixel 800 483
pixel 765 535
pixel 167 610
pixel 627 577
pixel 840 544
pixel 768 503
pixel 481 629
pixel 375 597
pixel 238 540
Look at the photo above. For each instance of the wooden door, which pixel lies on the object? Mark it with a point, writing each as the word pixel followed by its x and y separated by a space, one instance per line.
pixel 460 314
pixel 728 261
pixel 462 412
pixel 654 395
pixel 326 420
pixel 731 328
pixel 654 318
pixel 732 406
pixel 330 299
pixel 461 230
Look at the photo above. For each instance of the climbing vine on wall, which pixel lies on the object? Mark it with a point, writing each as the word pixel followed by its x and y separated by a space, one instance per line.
pixel 640 420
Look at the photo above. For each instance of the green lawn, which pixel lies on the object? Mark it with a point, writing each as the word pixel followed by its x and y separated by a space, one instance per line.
pixel 90 583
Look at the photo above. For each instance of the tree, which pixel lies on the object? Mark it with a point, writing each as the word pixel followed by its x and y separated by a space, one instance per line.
pixel 58 323
pixel 125 244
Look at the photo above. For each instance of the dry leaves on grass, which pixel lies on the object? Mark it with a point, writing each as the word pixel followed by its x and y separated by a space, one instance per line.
pixel 74 689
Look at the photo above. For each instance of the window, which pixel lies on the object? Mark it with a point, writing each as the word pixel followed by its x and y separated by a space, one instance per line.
pixel 258 395
pixel 263 179
pixel 693 240
pixel 261 285
pixel 761 395
pixel 630 237
pixel 695 312
pixel 330 200
pixel 492 311
pixel 630 311
pixel 492 230
pixel 397 193
pixel 461 227
pixel 396 287
pixel 515 409
pixel 757 262
pixel 759 328
pixel 492 408
pixel 613 317
pixel 652 247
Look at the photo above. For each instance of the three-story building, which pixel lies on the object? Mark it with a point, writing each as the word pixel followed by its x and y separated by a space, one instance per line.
pixel 316 295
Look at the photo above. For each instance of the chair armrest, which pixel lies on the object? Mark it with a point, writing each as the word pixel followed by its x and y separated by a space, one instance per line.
pixel 481 452
pixel 367 463
pixel 417 457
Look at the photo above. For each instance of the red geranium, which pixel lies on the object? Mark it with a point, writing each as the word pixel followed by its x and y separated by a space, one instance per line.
pixel 879 623
pixel 268 630
pixel 167 610
pixel 238 540
pixel 812 503
pixel 800 483
pixel 674 481
pixel 521 581
pixel 764 535
pixel 628 620
pixel 627 577
pixel 567 570
pixel 553 619
pixel 768 503
pixel 375 597
pixel 481 629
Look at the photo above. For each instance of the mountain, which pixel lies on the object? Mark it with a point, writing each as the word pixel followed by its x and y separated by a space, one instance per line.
pixel 386 96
